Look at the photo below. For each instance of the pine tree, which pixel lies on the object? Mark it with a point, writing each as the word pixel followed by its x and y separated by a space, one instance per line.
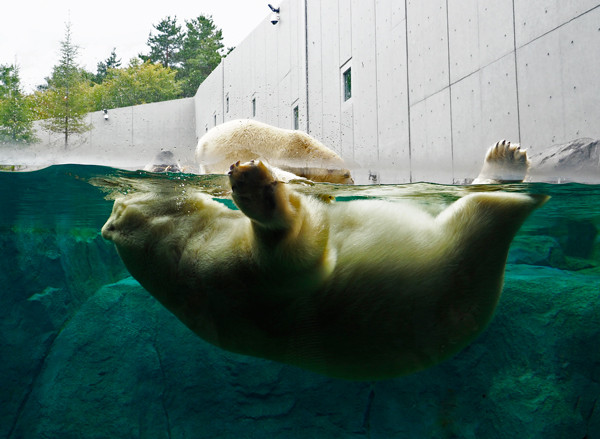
pixel 16 116
pixel 201 54
pixel 165 46
pixel 104 66
pixel 66 93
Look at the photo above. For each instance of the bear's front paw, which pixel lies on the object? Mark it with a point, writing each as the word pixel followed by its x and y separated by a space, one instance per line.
pixel 250 176
pixel 504 162
pixel 257 192
pixel 507 155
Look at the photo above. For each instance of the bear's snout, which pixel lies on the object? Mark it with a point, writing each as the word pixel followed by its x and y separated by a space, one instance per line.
pixel 108 229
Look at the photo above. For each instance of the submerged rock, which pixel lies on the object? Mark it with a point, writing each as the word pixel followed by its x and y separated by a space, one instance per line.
pixel 123 367
pixel 46 276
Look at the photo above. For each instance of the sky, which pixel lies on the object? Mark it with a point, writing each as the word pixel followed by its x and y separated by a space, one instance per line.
pixel 31 30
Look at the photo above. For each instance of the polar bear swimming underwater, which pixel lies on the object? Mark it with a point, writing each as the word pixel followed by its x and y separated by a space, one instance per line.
pixel 361 290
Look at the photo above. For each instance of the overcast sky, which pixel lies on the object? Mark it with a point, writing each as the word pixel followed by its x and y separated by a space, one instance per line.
pixel 31 30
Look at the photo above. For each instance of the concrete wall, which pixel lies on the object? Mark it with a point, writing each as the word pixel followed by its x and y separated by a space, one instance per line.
pixel 130 138
pixel 267 68
pixel 434 83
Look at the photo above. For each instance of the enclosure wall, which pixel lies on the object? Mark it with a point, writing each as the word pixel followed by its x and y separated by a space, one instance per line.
pixel 433 83
pixel 129 137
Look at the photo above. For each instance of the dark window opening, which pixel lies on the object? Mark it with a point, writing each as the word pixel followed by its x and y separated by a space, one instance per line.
pixel 347 84
pixel 296 117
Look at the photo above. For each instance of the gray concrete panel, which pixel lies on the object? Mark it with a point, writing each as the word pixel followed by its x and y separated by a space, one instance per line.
pixel 392 96
pixel 229 92
pixel 284 64
pixel 534 18
pixel 296 39
pixel 258 76
pixel 113 134
pixel 168 125
pixel 347 133
pixel 484 110
pixel 331 76
pixel 430 139
pixel 427 48
pixel 480 33
pixel 463 25
pixel 345 14
pixel 364 83
pixel 559 83
pixel 283 35
pixel 496 30
pixel 269 110
pixel 540 93
pixel 580 67
pixel 316 41
pixel 209 101
pixel 398 12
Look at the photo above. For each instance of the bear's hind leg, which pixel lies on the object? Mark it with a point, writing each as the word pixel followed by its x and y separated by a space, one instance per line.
pixel 504 163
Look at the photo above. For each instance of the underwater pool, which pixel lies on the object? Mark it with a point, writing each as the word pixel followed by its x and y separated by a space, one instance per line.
pixel 86 352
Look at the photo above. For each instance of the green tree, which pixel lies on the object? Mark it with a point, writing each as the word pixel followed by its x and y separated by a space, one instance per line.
pixel 201 53
pixel 16 115
pixel 65 96
pixel 112 62
pixel 139 83
pixel 166 45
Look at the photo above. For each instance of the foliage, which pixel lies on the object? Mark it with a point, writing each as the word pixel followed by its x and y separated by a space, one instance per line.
pixel 178 61
pixel 202 52
pixel 193 53
pixel 104 66
pixel 166 45
pixel 65 102
pixel 139 83
pixel 16 115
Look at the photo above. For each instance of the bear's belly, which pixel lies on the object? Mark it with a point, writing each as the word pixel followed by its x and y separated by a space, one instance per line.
pixel 355 326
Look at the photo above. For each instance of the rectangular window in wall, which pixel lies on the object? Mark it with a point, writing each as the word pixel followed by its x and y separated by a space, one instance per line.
pixel 253 107
pixel 215 119
pixel 227 103
pixel 296 117
pixel 347 82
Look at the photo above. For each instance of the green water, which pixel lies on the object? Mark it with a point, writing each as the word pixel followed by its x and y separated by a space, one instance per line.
pixel 87 353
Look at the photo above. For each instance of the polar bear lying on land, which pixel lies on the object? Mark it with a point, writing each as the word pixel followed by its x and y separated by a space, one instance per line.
pixel 359 290
pixel 293 151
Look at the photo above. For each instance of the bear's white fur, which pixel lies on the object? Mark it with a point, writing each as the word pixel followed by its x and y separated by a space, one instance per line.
pixel 290 150
pixel 362 289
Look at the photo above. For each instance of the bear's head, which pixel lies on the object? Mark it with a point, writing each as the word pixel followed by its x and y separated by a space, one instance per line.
pixel 151 230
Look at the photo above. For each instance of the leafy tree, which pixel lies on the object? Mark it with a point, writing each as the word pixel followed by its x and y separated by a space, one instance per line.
pixel 166 45
pixel 201 53
pixel 16 116
pixel 65 98
pixel 139 83
pixel 104 66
